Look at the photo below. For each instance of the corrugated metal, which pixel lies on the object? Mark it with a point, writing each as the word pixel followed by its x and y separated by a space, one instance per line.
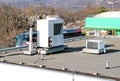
pixel 103 23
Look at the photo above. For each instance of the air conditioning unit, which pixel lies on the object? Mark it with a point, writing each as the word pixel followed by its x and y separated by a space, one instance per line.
pixel 95 46
pixel 50 32
pixel 50 35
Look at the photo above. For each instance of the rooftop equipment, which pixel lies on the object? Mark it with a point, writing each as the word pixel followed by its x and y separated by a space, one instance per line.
pixel 95 46
pixel 50 34
pixel 31 51
pixel 23 38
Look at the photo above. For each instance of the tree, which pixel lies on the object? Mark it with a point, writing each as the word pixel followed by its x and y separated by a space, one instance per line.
pixel 8 16
pixel 102 9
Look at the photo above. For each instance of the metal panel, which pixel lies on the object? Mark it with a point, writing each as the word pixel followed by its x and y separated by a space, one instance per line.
pixel 47 29
pixel 103 23
pixel 92 45
pixel 42 37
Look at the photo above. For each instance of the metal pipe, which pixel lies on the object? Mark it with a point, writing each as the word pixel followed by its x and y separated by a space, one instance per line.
pixel 12 48
pixel 30 40
pixel 107 64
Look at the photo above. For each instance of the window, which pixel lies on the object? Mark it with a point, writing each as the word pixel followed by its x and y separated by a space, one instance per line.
pixel 58 28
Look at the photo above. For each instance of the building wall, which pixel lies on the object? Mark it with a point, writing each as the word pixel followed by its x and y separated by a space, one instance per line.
pixel 12 72
pixel 102 23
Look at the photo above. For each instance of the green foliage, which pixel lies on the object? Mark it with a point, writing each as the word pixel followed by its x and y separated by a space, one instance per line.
pixel 102 9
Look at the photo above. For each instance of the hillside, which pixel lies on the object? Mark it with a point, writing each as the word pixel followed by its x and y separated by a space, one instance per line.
pixel 69 4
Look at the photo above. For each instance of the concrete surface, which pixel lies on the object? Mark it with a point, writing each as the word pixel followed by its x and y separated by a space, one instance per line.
pixel 73 59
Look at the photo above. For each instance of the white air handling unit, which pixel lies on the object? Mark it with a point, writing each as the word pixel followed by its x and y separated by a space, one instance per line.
pixel 95 46
pixel 50 34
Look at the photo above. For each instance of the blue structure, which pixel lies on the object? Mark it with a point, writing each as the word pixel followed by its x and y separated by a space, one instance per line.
pixel 23 38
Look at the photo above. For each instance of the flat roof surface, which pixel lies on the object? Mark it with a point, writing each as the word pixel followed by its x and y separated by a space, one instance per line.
pixel 73 59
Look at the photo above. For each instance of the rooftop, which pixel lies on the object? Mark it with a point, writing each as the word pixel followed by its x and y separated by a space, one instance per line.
pixel 73 59
pixel 110 14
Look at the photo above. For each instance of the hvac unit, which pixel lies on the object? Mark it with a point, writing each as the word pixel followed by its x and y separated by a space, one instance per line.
pixel 95 46
pixel 50 35
pixel 50 32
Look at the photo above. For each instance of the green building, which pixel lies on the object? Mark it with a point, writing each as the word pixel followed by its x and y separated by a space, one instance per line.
pixel 109 21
